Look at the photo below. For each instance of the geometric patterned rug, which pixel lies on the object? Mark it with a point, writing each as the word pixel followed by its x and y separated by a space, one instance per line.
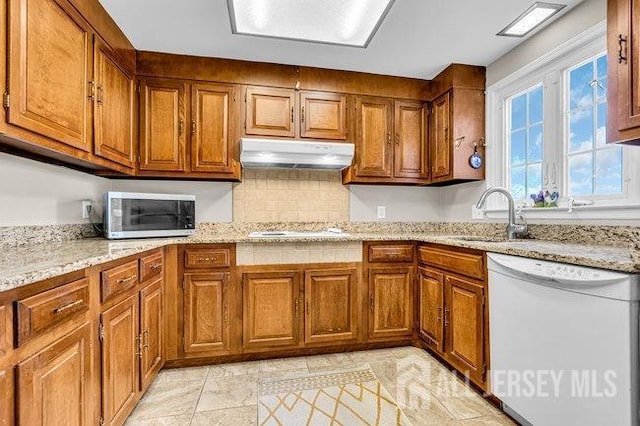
pixel 335 398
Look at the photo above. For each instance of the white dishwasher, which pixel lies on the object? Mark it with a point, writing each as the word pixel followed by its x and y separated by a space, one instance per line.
pixel 564 342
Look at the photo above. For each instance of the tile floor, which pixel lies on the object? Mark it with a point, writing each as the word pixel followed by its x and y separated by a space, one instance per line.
pixel 227 394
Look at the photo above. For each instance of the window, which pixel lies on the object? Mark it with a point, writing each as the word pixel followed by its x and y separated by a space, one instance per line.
pixel 593 167
pixel 546 130
pixel 525 138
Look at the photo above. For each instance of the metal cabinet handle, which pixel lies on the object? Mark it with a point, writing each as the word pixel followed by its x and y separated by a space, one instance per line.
pixel 193 127
pixel 292 114
pixel 145 338
pixel 68 306
pixel 388 138
pixel 297 307
pixel 226 314
pixel 180 126
pixel 156 266
pixel 302 115
pixel 139 345
pixel 446 135
pixel 446 317
pixel 100 99
pixel 439 314
pixel 207 259
pixel 92 90
pixel 371 302
pixel 127 279
pixel 622 52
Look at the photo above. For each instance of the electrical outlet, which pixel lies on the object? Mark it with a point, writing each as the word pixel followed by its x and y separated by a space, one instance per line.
pixel 476 213
pixel 382 212
pixel 87 205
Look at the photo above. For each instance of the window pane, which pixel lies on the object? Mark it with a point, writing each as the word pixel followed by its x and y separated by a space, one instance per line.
pixel 519 147
pixel 581 174
pixel 601 129
pixel 535 105
pixel 580 91
pixel 534 178
pixel 518 186
pixel 535 143
pixel 609 170
pixel 581 130
pixel 519 112
pixel 602 66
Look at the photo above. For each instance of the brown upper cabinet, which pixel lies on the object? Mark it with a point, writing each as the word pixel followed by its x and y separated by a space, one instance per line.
pixel 457 124
pixel 162 125
pixel 50 71
pixel 187 127
pixel 391 142
pixel 69 96
pixel 114 92
pixel 623 94
pixel 287 113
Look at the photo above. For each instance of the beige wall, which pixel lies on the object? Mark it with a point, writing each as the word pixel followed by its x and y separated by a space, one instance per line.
pixel 281 195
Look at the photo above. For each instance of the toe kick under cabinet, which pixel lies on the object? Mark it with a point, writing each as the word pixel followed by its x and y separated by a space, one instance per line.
pixel 453 312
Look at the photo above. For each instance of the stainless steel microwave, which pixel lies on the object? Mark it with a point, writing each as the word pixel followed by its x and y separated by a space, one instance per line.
pixel 139 215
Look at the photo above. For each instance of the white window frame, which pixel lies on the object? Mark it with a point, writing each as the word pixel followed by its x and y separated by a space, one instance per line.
pixel 550 69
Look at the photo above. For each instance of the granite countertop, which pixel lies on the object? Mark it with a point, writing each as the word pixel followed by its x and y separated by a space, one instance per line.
pixel 28 264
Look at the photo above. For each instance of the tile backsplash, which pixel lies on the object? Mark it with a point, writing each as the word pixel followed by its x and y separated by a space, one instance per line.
pixel 284 195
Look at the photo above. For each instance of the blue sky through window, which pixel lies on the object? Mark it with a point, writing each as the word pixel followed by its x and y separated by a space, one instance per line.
pixel 525 141
pixel 594 168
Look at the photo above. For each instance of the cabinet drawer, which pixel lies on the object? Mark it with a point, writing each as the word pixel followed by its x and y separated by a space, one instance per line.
pixel 38 313
pixel 471 265
pixel 119 279
pixel 207 258
pixel 151 265
pixel 391 253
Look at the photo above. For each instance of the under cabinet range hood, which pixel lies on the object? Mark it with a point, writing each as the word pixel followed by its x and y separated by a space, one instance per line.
pixel 295 154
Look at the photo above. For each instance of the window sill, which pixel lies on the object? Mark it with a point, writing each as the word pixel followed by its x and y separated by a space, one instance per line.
pixel 598 211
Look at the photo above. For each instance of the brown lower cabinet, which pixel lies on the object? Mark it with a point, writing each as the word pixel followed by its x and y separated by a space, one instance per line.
pixel 6 402
pixel 52 386
pixel 206 313
pixel 131 337
pixel 453 317
pixel 390 302
pixel 271 309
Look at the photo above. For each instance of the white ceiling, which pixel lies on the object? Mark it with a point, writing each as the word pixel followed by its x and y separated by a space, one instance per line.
pixel 418 38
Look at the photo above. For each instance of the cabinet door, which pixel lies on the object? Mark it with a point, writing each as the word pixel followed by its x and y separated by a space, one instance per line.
pixel 212 118
pixel 271 309
pixel 206 313
pixel 120 356
pixel 431 288
pixel 114 108
pixel 52 385
pixel 162 125
pixel 49 71
pixel 390 302
pixel 410 156
pixel 440 132
pixel 323 115
pixel 270 112
pixel 330 305
pixel 152 358
pixel 7 400
pixel 374 123
pixel 464 325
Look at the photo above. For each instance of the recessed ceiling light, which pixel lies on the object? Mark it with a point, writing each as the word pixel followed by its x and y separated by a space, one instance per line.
pixel 533 17
pixel 343 22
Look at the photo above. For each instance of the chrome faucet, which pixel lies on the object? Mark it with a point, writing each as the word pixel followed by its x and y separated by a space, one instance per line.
pixel 513 229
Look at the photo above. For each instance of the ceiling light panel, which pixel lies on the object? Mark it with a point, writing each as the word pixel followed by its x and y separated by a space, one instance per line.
pixel 343 22
pixel 533 17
